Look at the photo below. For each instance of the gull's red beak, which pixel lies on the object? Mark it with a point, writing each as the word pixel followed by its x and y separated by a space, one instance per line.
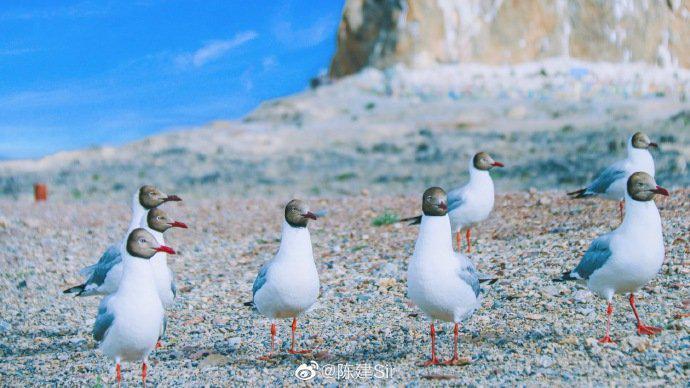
pixel 654 145
pixel 660 190
pixel 497 164
pixel 310 215
pixel 178 224
pixel 172 198
pixel 443 206
pixel 165 249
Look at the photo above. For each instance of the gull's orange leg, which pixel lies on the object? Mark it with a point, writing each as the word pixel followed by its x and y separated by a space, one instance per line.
pixel 607 338
pixel 143 373
pixel 455 346
pixel 433 360
pixel 292 345
pixel 642 329
pixel 273 339
pixel 469 244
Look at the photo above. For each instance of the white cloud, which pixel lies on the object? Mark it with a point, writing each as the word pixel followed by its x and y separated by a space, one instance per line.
pixel 322 29
pixel 215 49
pixel 269 62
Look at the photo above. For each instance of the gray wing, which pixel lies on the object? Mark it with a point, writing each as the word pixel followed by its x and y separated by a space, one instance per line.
pixel 260 279
pixel 605 179
pixel 595 257
pixel 104 320
pixel 468 273
pixel 455 199
pixel 110 258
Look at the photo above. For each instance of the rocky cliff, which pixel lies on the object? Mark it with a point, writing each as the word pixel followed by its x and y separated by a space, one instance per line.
pixel 419 33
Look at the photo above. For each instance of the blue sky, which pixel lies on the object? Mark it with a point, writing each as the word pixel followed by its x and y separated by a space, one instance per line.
pixel 77 74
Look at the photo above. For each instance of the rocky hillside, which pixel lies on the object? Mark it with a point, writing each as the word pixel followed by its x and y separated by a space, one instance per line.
pixel 419 33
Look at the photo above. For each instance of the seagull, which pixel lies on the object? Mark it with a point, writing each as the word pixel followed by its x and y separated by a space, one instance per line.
pixel 156 223
pixel 128 322
pixel 104 276
pixel 610 183
pixel 624 260
pixel 288 285
pixel 442 283
pixel 473 202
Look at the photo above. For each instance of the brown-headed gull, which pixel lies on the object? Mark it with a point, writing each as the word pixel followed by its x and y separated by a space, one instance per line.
pixel 104 276
pixel 129 321
pixel 288 285
pixel 473 202
pixel 624 260
pixel 441 282
pixel 610 183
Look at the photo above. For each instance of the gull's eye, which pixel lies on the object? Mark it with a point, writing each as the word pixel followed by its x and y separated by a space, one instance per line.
pixel 142 241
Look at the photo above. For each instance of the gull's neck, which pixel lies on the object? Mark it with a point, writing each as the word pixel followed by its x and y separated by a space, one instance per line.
pixel 138 212
pixel 160 257
pixel 480 178
pixel 434 240
pixel 641 215
pixel 295 243
pixel 137 276
pixel 641 157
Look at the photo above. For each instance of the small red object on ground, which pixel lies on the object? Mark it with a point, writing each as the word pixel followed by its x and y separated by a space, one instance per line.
pixel 40 192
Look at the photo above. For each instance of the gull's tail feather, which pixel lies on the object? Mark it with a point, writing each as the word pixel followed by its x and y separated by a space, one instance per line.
pixel 566 276
pixel 582 193
pixel 414 220
pixel 75 290
pixel 488 280
pixel 249 304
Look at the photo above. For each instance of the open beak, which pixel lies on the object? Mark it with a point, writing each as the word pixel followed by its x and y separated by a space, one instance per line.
pixel 178 224
pixel 310 215
pixel 443 206
pixel 654 145
pixel 165 249
pixel 497 164
pixel 172 198
pixel 660 190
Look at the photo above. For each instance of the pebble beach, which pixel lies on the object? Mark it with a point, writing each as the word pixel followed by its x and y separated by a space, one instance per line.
pixel 528 331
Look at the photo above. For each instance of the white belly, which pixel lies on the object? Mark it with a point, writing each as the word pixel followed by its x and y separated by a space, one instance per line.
pixel 440 293
pixel 470 213
pixel 290 289
pixel 135 330
pixel 626 274
pixel 163 278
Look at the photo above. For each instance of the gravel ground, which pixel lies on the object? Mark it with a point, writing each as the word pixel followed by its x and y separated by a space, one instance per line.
pixel 529 330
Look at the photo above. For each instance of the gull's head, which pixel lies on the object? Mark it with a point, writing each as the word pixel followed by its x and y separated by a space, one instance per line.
pixel 150 197
pixel 641 141
pixel 158 220
pixel 297 213
pixel 142 244
pixel 435 202
pixel 483 161
pixel 642 187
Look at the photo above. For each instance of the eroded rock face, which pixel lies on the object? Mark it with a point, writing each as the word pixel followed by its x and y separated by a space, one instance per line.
pixel 419 33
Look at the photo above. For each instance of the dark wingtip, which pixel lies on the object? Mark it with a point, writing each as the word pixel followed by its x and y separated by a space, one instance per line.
pixel 75 290
pixel 488 281
pixel 249 304
pixel 564 277
pixel 577 194
pixel 415 220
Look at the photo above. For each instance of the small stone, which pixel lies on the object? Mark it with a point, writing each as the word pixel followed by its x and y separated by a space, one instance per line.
pixel 213 360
